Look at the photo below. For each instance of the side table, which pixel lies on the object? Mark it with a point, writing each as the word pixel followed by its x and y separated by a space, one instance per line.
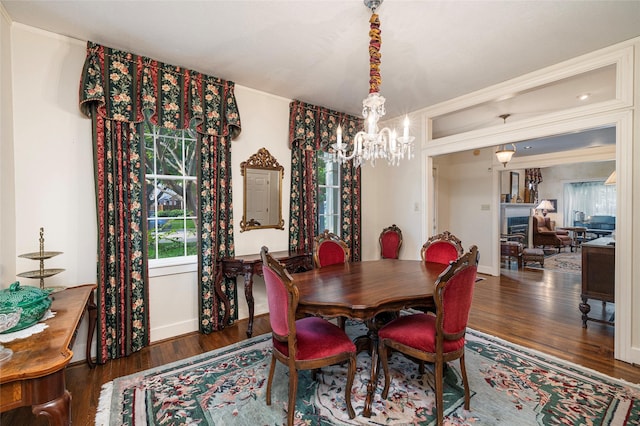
pixel 35 374
pixel 249 265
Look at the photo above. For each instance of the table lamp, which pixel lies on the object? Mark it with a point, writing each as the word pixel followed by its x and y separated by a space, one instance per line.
pixel 545 206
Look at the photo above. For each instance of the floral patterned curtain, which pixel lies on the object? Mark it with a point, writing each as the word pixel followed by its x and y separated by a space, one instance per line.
pixel 117 91
pixel 313 128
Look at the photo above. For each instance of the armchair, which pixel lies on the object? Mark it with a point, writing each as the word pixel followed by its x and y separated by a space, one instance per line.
pixel 545 235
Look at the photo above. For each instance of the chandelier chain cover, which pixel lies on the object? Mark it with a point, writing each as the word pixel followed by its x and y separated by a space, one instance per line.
pixel 372 143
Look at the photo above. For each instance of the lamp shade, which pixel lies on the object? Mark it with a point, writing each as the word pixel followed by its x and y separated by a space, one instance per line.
pixel 504 155
pixel 545 205
pixel 611 180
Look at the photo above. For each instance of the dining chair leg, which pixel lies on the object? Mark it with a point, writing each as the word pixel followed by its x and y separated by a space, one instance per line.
pixel 350 375
pixel 383 354
pixel 293 391
pixel 439 377
pixel 270 379
pixel 465 383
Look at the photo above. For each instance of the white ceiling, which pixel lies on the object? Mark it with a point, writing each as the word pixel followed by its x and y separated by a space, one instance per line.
pixel 317 51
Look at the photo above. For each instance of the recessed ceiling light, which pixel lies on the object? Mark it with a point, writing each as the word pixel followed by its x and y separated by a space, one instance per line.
pixel 527 147
pixel 584 96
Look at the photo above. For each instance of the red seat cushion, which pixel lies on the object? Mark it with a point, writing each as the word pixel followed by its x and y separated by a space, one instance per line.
pixel 317 338
pixel 417 331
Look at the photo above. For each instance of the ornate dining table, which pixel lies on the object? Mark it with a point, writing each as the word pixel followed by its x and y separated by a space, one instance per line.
pixel 366 291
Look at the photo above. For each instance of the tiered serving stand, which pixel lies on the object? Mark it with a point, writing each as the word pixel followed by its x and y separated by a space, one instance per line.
pixel 41 255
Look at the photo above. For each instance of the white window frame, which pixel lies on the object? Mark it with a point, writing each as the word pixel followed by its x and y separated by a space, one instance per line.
pixel 331 217
pixel 177 264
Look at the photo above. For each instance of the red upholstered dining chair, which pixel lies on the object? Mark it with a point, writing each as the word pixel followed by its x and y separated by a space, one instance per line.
pixel 442 248
pixel 436 339
pixel 305 344
pixel 329 249
pixel 390 242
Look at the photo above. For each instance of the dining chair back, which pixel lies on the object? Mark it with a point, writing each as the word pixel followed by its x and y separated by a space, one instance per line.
pixel 390 242
pixel 308 343
pixel 329 249
pixel 436 339
pixel 442 248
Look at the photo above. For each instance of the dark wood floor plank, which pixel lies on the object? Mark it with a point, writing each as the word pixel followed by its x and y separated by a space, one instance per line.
pixel 532 308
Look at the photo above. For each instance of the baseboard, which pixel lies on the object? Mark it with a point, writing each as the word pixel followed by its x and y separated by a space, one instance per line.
pixel 173 330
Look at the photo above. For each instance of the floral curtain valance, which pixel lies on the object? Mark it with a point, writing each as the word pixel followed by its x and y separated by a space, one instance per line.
pixel 129 87
pixel 533 176
pixel 314 128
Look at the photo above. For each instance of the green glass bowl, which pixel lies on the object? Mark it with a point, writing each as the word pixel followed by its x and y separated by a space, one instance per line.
pixel 33 301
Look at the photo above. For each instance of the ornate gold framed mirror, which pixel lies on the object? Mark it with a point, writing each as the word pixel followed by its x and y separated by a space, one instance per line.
pixel 262 192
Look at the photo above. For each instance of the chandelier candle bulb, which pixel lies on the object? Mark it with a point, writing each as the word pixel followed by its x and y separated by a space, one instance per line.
pixel 339 134
pixel 406 127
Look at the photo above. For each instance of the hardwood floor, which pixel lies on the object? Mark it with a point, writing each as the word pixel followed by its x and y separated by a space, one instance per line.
pixel 532 308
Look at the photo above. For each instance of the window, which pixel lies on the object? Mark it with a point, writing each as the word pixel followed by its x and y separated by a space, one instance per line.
pixel 328 193
pixel 171 194
pixel 584 199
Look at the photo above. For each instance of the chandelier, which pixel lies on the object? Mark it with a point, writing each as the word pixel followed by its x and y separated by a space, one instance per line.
pixel 373 143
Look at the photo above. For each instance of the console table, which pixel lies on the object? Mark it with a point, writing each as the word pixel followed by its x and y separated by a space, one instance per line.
pixel 35 374
pixel 251 264
pixel 598 276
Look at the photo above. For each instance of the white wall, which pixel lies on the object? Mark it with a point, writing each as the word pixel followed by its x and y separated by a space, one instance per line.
pixel 465 193
pixel 7 182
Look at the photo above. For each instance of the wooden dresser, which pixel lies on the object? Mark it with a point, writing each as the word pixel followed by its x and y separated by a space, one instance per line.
pixel 598 276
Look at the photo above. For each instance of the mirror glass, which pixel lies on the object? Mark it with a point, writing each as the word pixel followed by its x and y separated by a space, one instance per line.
pixel 262 192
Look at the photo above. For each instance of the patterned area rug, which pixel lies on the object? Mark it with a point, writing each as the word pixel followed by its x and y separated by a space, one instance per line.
pixel 510 385
pixel 562 262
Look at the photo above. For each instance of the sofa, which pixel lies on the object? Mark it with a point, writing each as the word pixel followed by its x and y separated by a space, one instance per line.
pixel 545 234
pixel 600 225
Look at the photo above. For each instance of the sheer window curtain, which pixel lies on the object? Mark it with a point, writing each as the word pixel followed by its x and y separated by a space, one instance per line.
pixel 591 198
pixel 117 90
pixel 313 128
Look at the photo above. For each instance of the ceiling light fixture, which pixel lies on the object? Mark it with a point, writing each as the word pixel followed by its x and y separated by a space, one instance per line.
pixel 584 96
pixel 503 154
pixel 373 143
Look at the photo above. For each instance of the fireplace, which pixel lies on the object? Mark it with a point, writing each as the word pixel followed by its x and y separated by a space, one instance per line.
pixel 518 225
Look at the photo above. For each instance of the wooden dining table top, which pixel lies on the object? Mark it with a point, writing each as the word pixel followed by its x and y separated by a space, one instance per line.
pixel 360 290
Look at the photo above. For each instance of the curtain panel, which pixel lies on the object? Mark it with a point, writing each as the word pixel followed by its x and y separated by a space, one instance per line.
pixel 118 91
pixel 313 128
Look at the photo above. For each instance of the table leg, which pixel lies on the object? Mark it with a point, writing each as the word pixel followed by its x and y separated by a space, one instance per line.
pixel 93 316
pixel 585 308
pixel 57 411
pixel 370 343
pixel 248 294
pixel 223 297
